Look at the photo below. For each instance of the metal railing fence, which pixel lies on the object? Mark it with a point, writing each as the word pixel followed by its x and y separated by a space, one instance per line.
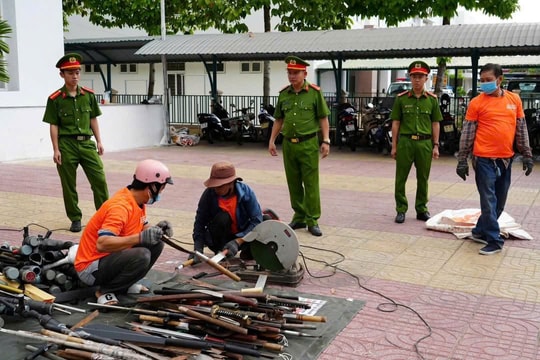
pixel 184 108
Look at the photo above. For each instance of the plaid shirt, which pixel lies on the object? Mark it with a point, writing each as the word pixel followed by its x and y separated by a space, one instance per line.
pixel 468 133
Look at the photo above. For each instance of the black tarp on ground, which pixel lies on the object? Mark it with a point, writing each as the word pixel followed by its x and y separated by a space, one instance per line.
pixel 339 313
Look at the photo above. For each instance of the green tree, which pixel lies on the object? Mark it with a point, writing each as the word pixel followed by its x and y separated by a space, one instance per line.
pixel 5 29
pixel 393 12
pixel 228 15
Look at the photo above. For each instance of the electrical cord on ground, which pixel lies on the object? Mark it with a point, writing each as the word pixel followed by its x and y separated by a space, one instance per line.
pixel 393 305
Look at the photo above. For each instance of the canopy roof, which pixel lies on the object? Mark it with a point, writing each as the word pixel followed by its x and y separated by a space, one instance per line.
pixel 454 63
pixel 507 39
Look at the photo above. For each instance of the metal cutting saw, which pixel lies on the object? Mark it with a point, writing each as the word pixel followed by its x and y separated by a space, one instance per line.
pixel 274 247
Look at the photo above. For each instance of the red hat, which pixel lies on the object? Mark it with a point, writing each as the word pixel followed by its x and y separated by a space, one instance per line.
pixel 419 67
pixel 69 61
pixel 295 63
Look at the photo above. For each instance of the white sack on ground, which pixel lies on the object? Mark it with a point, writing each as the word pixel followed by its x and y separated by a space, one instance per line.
pixel 461 222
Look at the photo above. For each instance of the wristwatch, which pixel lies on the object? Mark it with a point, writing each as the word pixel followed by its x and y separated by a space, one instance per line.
pixel 326 141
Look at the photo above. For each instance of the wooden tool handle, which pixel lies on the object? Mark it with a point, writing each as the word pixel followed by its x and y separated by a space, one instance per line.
pixel 312 318
pixel 272 346
pixel 218 267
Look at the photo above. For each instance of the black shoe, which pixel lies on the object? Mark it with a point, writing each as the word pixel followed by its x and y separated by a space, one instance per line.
pixel 424 216
pixel 315 230
pixel 481 239
pixel 297 225
pixel 490 249
pixel 400 218
pixel 75 226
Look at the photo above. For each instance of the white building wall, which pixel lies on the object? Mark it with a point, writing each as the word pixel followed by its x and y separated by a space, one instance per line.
pixel 36 44
pixel 232 81
pixel 122 127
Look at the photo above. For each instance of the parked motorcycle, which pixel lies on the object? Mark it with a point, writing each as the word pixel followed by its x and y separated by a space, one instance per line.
pixel 532 116
pixel 448 134
pixel 376 127
pixel 211 124
pixel 348 125
pixel 242 125
pixel 266 122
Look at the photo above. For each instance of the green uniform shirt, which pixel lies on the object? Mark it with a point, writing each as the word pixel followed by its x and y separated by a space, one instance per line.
pixel 416 114
pixel 72 114
pixel 301 111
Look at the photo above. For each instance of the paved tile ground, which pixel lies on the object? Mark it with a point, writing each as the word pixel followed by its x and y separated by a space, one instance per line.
pixel 477 307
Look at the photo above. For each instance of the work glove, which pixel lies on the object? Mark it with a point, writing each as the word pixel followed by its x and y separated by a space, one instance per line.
pixel 150 236
pixel 527 165
pixel 166 227
pixel 232 248
pixel 462 169
pixel 195 258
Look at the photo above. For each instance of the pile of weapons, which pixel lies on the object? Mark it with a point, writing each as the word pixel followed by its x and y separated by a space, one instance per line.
pixel 183 324
pixel 43 262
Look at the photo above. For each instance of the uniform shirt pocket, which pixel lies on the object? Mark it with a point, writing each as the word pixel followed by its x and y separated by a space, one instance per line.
pixel 66 116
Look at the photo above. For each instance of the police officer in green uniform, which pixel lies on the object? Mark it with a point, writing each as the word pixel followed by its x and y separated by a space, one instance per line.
pixel 72 114
pixel 415 140
pixel 301 111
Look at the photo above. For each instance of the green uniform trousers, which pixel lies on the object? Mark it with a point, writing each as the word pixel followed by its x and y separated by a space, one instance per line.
pixel 419 153
pixel 84 152
pixel 301 161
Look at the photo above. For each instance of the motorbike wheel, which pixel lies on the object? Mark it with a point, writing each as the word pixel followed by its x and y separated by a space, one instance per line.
pixel 239 137
pixel 209 137
pixel 352 142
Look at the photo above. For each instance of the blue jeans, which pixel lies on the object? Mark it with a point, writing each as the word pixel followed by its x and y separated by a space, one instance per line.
pixel 492 180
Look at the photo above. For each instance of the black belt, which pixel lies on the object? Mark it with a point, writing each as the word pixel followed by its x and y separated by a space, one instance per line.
pixel 78 137
pixel 299 139
pixel 416 136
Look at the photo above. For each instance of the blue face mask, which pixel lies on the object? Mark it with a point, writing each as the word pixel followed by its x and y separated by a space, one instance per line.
pixel 153 200
pixel 489 87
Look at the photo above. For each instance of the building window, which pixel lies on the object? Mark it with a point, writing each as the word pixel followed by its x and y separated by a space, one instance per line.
pixel 253 67
pixel 89 68
pixel 219 66
pixel 176 66
pixel 176 84
pixel 128 68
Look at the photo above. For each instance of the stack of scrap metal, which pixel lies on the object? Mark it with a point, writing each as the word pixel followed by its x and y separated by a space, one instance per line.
pixel 41 267
pixel 182 324
pixel 218 324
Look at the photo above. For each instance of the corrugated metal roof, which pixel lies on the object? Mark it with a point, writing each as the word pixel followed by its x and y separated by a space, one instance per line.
pixel 455 63
pixel 111 50
pixel 410 42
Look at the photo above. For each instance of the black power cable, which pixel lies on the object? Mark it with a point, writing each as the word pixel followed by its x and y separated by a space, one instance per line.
pixel 391 304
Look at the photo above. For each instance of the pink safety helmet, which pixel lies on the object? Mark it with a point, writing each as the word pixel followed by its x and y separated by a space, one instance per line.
pixel 152 171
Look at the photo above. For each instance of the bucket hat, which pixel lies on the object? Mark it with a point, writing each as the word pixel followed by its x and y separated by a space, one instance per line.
pixel 222 173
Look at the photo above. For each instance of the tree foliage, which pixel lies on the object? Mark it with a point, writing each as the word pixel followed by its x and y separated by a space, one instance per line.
pixel 228 16
pixel 5 30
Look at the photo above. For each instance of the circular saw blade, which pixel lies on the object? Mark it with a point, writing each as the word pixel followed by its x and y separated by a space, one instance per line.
pixel 265 256
pixel 274 245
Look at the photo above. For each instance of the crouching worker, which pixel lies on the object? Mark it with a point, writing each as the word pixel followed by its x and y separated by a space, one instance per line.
pixel 228 209
pixel 118 246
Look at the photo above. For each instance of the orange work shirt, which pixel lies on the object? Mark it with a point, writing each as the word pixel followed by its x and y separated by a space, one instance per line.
pixel 496 118
pixel 120 215
pixel 229 205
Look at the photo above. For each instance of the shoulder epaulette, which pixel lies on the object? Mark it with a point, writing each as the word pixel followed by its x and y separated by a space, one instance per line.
pixel 403 93
pixel 431 94
pixel 55 94
pixel 316 87
pixel 87 89
pixel 284 88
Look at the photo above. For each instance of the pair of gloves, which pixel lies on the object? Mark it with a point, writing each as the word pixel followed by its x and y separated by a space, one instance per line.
pixel 151 236
pixel 462 168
